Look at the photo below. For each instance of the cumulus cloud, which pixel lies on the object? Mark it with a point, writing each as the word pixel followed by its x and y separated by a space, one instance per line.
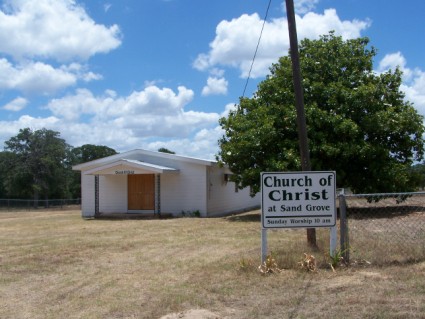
pixel 228 108
pixel 81 72
pixel 215 86
pixel 41 78
pixel 34 77
pixel 16 105
pixel 11 128
pixel 71 107
pixel 203 145
pixel 392 61
pixel 151 112
pixel 312 25
pixel 235 40
pixel 26 31
pixel 126 122
pixel 141 123
pixel 413 79
pixel 304 6
pixel 36 34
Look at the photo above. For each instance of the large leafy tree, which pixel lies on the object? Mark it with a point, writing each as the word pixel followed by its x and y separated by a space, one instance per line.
pixel 40 164
pixel 90 152
pixel 82 154
pixel 357 120
pixel 8 187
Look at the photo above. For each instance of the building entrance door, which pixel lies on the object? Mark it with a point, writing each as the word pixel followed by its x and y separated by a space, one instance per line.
pixel 141 192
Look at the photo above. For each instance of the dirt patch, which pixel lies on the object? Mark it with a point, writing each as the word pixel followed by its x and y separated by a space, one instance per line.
pixel 193 314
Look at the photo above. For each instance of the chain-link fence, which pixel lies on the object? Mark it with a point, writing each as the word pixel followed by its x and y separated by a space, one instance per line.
pixel 30 204
pixel 385 228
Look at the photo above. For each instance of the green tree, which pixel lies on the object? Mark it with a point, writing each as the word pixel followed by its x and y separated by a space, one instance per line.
pixel 8 189
pixel 357 120
pixel 165 150
pixel 83 154
pixel 417 174
pixel 41 164
pixel 90 152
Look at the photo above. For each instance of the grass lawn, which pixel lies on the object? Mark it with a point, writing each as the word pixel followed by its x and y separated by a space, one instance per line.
pixel 57 265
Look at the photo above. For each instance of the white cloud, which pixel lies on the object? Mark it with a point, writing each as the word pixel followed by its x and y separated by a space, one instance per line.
pixel 11 128
pixel 215 86
pixel 34 77
pixel 413 80
pixel 152 112
pixel 81 71
pixel 60 30
pixel 16 105
pixel 303 6
pixel 414 88
pixel 312 25
pixel 236 40
pixel 203 145
pixel 392 61
pixel 128 122
pixel 40 78
pixel 227 109
pixel 71 107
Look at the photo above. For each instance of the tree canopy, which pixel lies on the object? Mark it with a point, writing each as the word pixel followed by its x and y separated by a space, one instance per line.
pixel 165 150
pixel 358 122
pixel 89 152
pixel 83 154
pixel 39 164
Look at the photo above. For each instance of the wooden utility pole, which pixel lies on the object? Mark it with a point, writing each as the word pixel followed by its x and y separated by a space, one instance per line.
pixel 299 101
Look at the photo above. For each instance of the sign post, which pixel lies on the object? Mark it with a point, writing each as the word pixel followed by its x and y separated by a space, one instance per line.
pixel 297 200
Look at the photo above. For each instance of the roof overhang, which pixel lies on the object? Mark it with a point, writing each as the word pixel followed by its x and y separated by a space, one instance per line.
pixel 129 167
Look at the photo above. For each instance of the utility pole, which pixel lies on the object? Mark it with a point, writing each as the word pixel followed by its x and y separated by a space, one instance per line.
pixel 299 101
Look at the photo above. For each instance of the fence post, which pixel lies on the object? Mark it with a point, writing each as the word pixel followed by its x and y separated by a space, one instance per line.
pixel 344 239
pixel 333 238
pixel 263 245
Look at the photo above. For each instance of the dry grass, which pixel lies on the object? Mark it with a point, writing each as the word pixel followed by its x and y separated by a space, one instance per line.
pixel 386 232
pixel 57 265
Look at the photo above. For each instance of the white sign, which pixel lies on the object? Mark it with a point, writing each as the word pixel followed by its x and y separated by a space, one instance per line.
pixel 298 199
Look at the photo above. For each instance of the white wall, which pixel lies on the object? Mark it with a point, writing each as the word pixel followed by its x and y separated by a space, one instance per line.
pixel 113 194
pixel 87 196
pixel 222 197
pixel 185 190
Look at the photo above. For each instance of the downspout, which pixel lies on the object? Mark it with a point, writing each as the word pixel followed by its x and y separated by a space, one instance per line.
pixel 158 195
pixel 208 195
pixel 96 196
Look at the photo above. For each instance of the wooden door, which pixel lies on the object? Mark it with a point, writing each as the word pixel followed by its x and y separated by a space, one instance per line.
pixel 141 192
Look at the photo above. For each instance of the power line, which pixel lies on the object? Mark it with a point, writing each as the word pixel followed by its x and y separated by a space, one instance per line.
pixel 256 49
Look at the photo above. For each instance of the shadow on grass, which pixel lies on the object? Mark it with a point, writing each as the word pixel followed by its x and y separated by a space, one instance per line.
pixel 125 216
pixel 383 212
pixel 245 217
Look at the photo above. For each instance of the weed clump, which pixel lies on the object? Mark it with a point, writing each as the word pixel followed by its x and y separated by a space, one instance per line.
pixel 245 265
pixel 337 259
pixel 308 263
pixel 269 266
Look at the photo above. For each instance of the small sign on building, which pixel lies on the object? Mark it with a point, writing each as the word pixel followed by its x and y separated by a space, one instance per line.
pixel 298 199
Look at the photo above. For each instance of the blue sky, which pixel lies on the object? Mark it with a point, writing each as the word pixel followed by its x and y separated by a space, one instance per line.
pixel 160 73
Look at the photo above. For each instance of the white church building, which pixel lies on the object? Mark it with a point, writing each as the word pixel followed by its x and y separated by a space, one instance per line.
pixel 147 182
